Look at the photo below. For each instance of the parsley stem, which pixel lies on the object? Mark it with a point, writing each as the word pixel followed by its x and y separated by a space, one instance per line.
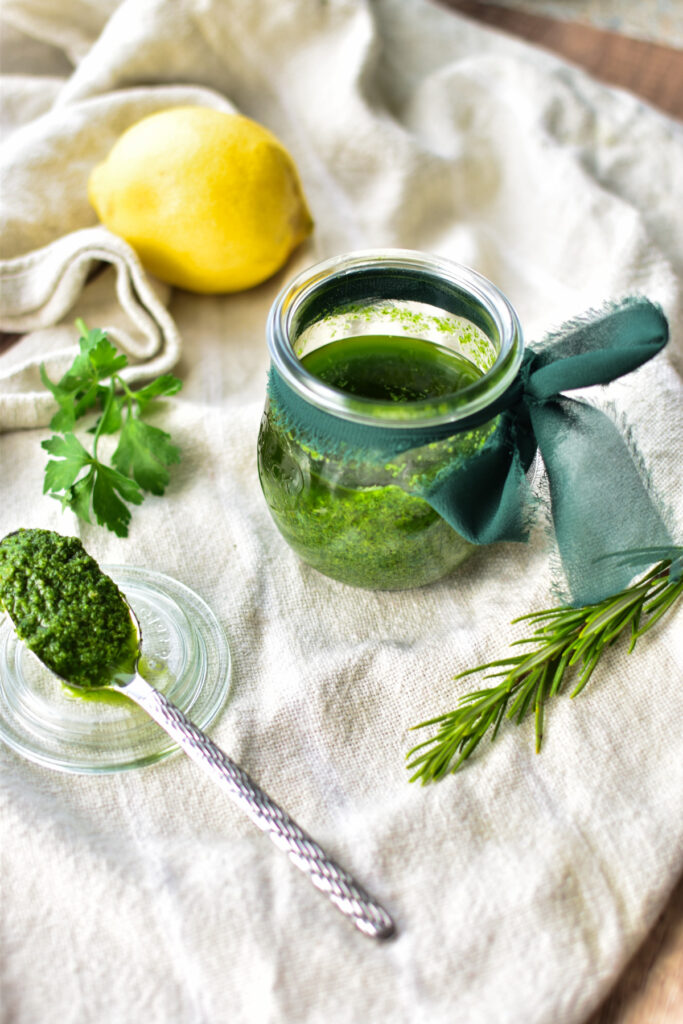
pixel 103 418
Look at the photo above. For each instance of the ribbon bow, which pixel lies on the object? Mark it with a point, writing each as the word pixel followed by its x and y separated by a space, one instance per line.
pixel 600 502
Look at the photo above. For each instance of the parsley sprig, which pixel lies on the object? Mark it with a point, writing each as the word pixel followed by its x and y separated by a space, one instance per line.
pixel 77 477
pixel 567 641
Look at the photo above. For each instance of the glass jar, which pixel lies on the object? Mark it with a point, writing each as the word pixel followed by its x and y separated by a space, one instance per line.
pixel 344 473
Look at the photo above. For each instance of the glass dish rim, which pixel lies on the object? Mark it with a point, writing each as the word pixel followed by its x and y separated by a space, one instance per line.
pixel 166 746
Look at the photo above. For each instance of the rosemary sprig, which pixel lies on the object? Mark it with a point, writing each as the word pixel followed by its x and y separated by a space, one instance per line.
pixel 567 641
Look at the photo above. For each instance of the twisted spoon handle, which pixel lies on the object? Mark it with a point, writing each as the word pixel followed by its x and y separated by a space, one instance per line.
pixel 327 876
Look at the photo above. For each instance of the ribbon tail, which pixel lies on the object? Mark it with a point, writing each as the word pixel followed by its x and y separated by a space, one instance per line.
pixel 599 349
pixel 600 503
pixel 486 498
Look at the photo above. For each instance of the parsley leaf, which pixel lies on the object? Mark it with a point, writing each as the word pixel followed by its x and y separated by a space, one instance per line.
pixel 163 386
pixel 144 452
pixel 79 389
pixel 108 507
pixel 70 458
pixel 78 478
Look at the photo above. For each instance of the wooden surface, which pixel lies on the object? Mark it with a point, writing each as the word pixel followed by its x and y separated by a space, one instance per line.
pixel 650 989
pixel 651 71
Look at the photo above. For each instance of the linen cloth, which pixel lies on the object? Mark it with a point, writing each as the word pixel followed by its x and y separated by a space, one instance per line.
pixel 521 885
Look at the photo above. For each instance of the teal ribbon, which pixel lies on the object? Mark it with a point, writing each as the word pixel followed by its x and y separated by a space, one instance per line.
pixel 599 499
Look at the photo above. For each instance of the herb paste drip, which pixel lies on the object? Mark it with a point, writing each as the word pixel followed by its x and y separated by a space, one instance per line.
pixel 65 609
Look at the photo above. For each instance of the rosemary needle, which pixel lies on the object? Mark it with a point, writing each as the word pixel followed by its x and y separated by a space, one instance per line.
pixel 566 642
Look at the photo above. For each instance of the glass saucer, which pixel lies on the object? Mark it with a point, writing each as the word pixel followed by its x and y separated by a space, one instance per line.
pixel 185 654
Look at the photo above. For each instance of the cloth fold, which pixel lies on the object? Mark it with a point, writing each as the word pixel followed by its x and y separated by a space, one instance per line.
pixel 51 247
pixel 37 290
pixel 520 886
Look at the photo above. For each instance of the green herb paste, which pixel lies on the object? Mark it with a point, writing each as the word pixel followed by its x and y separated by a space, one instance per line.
pixel 65 609
pixel 360 523
pixel 391 369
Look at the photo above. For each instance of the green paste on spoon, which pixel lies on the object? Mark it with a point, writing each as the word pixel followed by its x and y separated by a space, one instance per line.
pixel 65 609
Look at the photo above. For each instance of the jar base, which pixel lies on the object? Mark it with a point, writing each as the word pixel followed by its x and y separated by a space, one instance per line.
pixel 395 583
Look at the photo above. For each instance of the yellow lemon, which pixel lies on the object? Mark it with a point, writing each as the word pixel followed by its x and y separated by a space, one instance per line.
pixel 210 201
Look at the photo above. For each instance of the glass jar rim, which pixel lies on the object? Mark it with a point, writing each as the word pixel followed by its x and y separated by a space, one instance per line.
pixel 492 303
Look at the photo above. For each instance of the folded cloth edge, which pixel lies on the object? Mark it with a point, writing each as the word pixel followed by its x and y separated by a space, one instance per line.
pixel 38 288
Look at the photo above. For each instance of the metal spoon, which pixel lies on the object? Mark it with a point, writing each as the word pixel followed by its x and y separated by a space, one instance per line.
pixel 326 875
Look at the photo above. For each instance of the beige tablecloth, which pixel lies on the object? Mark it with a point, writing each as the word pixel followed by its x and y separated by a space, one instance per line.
pixel 521 885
